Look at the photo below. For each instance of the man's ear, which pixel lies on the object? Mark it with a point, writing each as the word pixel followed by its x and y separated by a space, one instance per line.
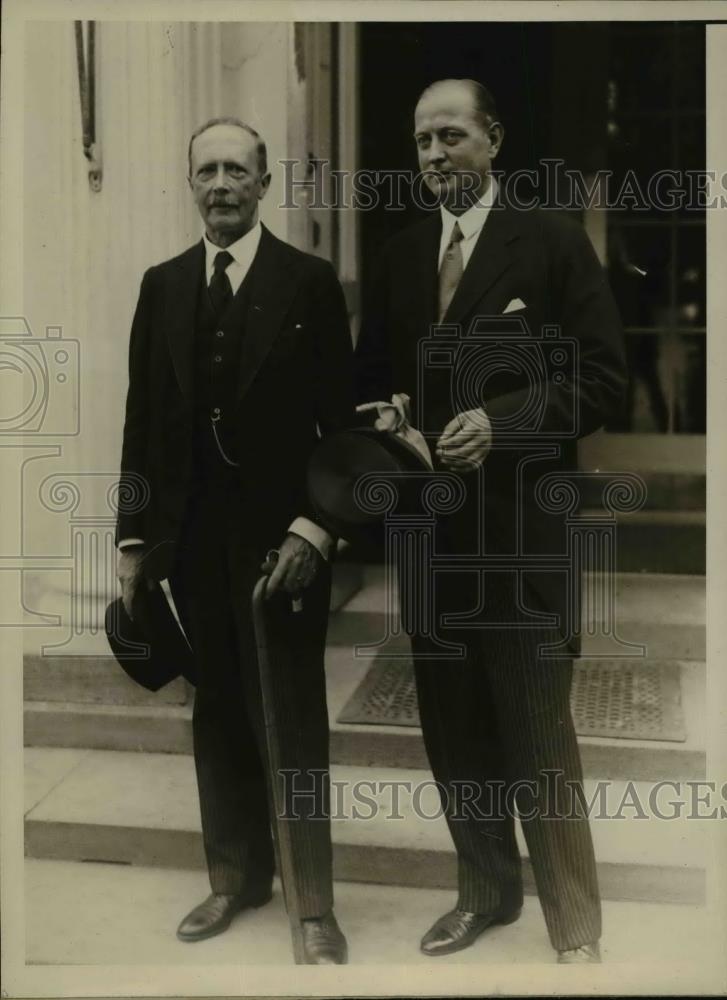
pixel 264 185
pixel 495 133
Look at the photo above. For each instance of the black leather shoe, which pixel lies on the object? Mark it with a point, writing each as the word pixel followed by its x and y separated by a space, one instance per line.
pixel 458 929
pixel 323 941
pixel 215 914
pixel 583 955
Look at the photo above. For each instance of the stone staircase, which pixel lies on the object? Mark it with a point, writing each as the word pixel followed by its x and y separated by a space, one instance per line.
pixel 114 779
pixel 110 774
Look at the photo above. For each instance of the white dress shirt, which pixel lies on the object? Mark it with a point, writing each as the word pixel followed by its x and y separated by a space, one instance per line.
pixel 470 224
pixel 243 253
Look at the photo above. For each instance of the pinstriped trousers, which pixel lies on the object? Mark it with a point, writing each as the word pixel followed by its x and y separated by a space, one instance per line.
pixel 217 568
pixel 498 729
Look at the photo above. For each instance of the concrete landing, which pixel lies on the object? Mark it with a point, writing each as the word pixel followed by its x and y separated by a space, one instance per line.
pixel 96 914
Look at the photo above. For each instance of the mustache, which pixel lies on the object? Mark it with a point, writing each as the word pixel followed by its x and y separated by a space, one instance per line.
pixel 221 203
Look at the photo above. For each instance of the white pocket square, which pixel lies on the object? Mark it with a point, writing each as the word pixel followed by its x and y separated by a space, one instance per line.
pixel 512 305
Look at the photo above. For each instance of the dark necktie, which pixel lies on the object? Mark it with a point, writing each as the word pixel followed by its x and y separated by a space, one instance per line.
pixel 451 270
pixel 220 287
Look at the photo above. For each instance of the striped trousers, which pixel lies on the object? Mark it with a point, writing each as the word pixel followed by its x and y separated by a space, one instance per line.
pixel 498 730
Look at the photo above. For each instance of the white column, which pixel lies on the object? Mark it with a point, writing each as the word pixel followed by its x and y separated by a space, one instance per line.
pixel 260 84
pixel 85 252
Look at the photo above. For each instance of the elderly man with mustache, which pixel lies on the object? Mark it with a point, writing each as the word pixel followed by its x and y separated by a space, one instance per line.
pixel 240 354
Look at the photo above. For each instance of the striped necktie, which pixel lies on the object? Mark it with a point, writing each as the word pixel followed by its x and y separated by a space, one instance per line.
pixel 451 270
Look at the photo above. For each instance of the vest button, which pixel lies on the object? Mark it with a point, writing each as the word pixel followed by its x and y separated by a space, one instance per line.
pixel 220 333
pixel 218 357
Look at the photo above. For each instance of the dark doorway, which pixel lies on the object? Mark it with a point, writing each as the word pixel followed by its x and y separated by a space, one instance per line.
pixel 524 65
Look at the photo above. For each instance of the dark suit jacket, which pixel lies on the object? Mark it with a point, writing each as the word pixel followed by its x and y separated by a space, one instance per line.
pixel 546 261
pixel 295 377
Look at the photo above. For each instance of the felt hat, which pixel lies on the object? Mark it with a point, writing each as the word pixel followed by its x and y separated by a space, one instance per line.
pixel 151 647
pixel 335 472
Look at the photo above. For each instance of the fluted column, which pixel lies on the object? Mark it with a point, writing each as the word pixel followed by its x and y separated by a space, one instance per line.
pixel 85 252
pixel 260 83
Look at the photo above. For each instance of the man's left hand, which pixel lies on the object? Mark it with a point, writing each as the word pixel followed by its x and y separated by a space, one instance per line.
pixel 296 568
pixel 466 441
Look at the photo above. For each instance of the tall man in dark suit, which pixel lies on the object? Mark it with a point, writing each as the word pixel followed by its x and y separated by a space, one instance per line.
pixel 502 713
pixel 240 355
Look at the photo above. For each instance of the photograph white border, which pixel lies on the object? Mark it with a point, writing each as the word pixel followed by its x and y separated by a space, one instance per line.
pixel 19 980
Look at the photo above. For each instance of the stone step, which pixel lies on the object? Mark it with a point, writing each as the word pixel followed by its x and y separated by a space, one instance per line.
pixel 83 671
pixel 663 612
pixel 142 809
pixel 668 491
pixel 615 759
pixel 67 705
pixel 664 641
pixel 649 540
pixel 48 608
pixel 126 916
pixel 91 680
pixel 662 541
pixel 167 728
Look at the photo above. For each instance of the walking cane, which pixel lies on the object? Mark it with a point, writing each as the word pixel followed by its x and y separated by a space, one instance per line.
pixel 285 847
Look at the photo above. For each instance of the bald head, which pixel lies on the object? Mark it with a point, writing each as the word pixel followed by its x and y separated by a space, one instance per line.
pixel 457 136
pixel 481 100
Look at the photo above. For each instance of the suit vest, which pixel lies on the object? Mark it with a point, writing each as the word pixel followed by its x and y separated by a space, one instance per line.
pixel 217 350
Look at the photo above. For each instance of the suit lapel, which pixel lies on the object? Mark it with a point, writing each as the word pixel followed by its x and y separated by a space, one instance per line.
pixel 493 254
pixel 273 287
pixel 181 311
pixel 425 285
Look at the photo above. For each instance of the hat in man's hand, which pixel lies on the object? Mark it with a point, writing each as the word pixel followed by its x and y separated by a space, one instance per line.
pixel 336 468
pixel 151 647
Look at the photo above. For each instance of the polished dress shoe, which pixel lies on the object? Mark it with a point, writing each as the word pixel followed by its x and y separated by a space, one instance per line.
pixel 323 941
pixel 578 956
pixel 215 914
pixel 458 929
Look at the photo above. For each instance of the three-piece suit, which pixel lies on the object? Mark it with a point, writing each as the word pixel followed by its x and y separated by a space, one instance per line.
pixel 222 413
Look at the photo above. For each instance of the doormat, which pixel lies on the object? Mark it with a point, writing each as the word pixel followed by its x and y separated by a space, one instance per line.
pixel 631 700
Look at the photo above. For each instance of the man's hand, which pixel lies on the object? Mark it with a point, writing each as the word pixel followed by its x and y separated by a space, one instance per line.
pixel 466 441
pixel 129 573
pixel 296 567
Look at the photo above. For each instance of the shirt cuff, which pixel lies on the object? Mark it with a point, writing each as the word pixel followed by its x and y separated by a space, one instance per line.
pixel 313 533
pixel 126 543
